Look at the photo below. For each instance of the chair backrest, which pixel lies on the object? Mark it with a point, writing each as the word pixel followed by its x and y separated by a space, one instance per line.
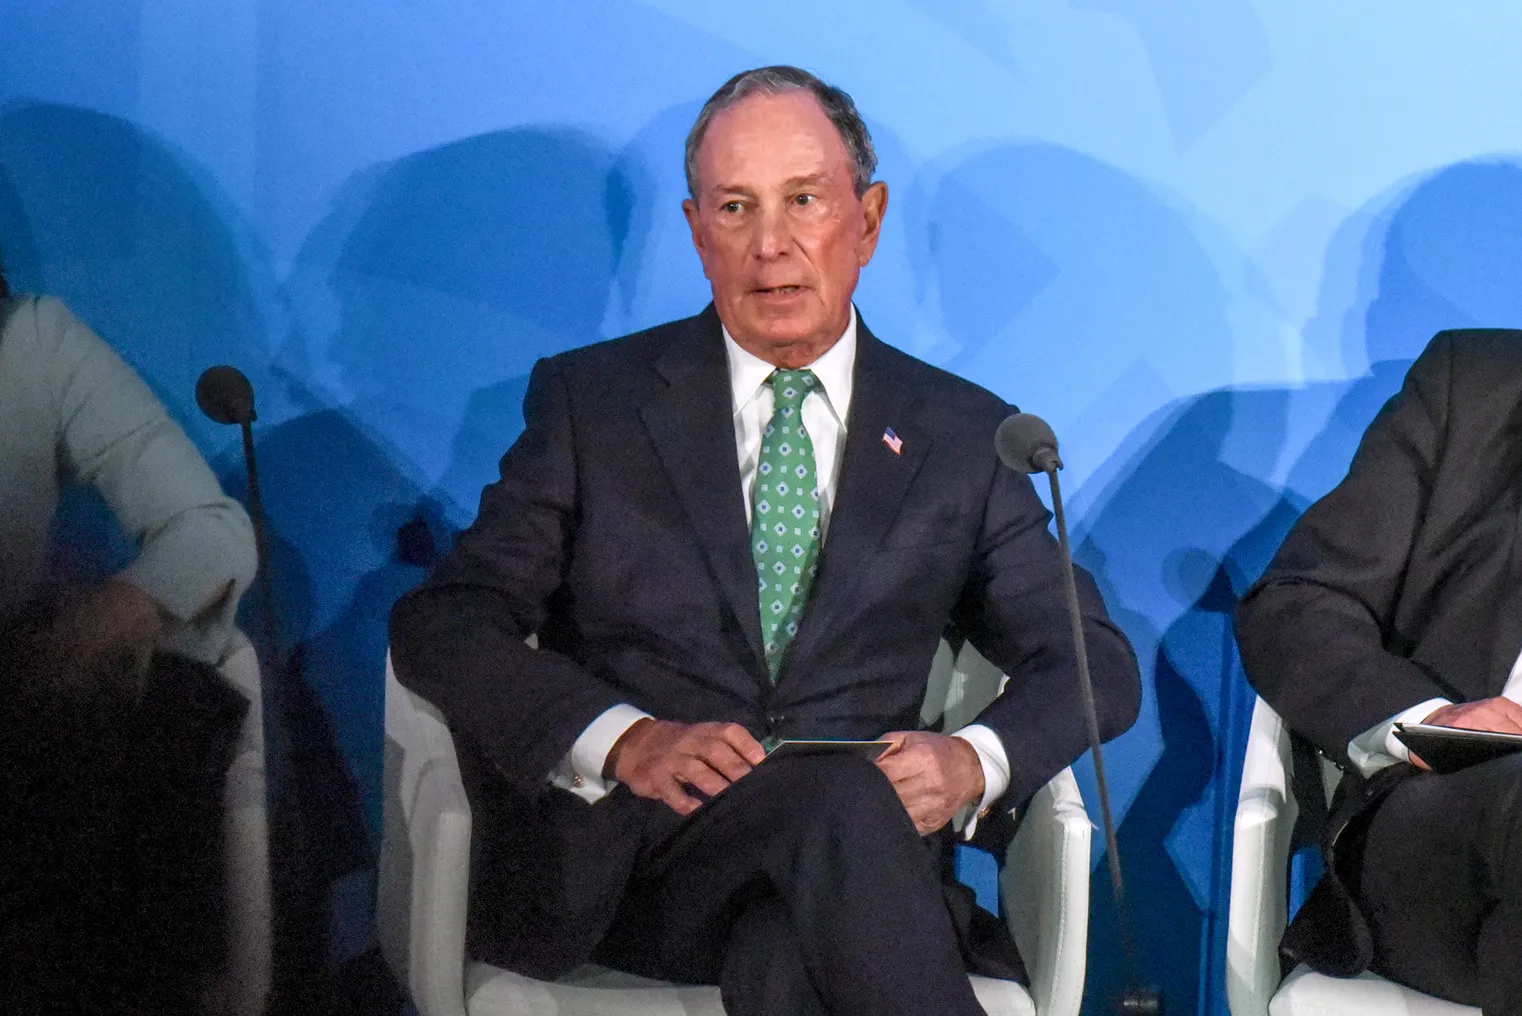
pixel 245 823
pixel 1259 899
pixel 424 866
pixel 961 685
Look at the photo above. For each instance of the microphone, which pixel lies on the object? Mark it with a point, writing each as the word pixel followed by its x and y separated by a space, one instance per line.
pixel 1026 444
pixel 226 396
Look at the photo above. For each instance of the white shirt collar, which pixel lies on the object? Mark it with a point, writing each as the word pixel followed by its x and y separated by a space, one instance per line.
pixel 835 370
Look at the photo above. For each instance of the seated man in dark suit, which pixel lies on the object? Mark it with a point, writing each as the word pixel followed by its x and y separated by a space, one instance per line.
pixel 1398 598
pixel 750 525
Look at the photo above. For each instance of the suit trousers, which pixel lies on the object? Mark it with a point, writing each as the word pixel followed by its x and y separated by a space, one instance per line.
pixel 804 889
pixel 1440 883
pixel 111 875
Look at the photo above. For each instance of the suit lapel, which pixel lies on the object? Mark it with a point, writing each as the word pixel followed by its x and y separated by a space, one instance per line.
pixel 1505 466
pixel 1508 619
pixel 691 423
pixel 873 482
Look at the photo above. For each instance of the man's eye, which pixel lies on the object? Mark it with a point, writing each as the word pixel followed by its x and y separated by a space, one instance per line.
pixel 732 207
pixel 804 199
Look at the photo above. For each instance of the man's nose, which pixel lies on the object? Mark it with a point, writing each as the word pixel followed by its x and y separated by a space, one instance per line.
pixel 773 236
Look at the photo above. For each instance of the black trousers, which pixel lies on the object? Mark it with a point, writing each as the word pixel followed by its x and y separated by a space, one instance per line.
pixel 111 857
pixel 1440 882
pixel 802 889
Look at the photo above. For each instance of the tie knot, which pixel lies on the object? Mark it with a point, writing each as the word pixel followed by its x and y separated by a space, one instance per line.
pixel 791 387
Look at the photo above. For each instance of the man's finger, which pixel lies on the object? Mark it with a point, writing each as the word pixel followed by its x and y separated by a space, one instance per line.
pixel 727 758
pixel 902 761
pixel 896 740
pixel 744 745
pixel 914 782
pixel 677 798
pixel 1511 711
pixel 901 773
pixel 1496 714
pixel 698 773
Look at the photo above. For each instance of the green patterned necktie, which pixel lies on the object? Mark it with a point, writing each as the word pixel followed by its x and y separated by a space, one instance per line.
pixel 784 521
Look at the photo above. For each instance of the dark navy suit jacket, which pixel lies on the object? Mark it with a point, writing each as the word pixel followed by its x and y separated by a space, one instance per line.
pixel 617 532
pixel 1402 584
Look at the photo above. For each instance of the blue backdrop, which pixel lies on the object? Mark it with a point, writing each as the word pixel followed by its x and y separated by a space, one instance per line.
pixel 1202 237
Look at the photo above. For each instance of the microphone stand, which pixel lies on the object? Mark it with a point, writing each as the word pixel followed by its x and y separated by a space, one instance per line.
pixel 1136 1001
pixel 261 542
pixel 225 396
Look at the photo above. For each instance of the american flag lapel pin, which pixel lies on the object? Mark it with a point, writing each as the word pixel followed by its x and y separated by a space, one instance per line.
pixel 893 441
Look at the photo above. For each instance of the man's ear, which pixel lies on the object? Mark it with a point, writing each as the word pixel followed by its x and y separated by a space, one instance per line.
pixel 695 224
pixel 874 205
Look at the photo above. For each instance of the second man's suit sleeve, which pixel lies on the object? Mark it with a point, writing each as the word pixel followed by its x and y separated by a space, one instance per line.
pixel 1312 629
pixel 458 639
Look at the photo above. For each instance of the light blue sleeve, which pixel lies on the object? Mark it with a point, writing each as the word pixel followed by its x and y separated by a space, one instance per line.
pixel 195 544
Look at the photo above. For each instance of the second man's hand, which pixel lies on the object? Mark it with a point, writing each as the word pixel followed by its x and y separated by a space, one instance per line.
pixel 1499 715
pixel 935 775
pixel 660 760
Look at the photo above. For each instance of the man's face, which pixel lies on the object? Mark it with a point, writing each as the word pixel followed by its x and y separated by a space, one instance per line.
pixel 777 223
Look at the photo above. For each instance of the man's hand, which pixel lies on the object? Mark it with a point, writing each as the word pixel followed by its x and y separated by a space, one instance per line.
pixel 935 775
pixel 661 760
pixel 106 633
pixel 1500 715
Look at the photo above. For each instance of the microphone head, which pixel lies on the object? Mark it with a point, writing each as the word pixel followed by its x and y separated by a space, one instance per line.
pixel 1026 444
pixel 224 394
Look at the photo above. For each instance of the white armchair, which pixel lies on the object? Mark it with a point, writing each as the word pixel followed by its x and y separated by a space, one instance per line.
pixel 245 982
pixel 424 875
pixel 1266 812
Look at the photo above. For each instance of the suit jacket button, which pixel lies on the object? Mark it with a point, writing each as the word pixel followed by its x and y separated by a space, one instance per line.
pixel 775 720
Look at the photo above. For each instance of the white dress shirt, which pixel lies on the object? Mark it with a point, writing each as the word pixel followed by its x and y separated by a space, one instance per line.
pixel 1378 746
pixel 825 413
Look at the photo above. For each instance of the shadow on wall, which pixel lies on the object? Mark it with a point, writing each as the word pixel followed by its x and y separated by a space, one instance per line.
pixel 435 283
pixel 1068 286
pixel 132 236
pixel 1205 56
pixel 1160 546
pixel 421 301
pixel 659 275
pixel 1055 272
pixel 1196 517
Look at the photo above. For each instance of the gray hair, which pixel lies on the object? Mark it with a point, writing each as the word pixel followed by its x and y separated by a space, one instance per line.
pixel 837 105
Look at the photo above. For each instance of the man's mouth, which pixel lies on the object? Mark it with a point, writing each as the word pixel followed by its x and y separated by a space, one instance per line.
pixel 779 290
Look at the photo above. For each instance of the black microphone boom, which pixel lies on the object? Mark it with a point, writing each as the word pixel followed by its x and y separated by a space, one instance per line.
pixel 226 396
pixel 1026 444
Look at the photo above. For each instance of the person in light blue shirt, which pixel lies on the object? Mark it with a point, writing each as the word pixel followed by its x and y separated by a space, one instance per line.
pixel 116 730
pixel 72 412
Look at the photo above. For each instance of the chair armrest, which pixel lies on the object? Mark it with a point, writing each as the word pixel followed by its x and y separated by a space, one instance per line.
pixel 1258 907
pixel 245 829
pixel 1045 885
pixel 424 871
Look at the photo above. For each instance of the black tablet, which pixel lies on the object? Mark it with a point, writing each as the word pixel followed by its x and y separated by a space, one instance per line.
pixel 869 750
pixel 1448 749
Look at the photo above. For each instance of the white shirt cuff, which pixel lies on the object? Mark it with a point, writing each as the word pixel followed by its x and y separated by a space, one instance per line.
pixel 995 770
pixel 580 771
pixel 1378 746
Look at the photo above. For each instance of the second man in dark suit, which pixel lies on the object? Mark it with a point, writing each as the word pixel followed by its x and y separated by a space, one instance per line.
pixel 1398 597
